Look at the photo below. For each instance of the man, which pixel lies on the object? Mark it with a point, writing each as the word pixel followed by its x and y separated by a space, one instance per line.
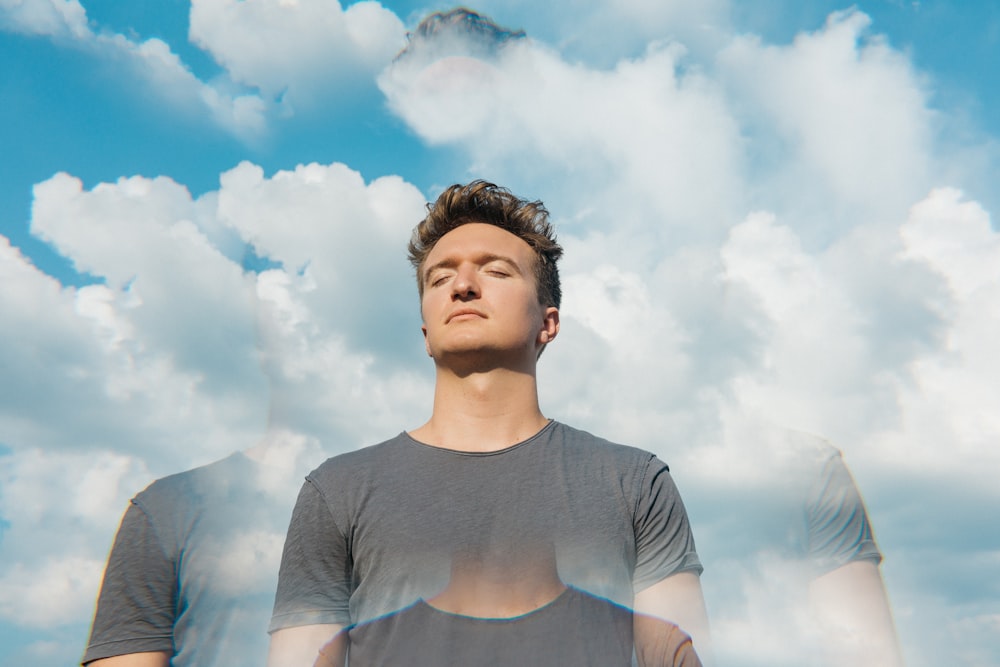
pixel 432 516
pixel 798 580
pixel 191 576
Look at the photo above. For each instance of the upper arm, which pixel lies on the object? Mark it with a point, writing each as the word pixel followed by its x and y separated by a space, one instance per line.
pixel 137 598
pixel 664 543
pixel 839 531
pixel 314 587
pixel 153 659
pixel 315 577
pixel 301 646
pixel 666 578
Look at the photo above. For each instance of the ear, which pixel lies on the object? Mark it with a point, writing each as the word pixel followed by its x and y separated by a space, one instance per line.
pixel 427 345
pixel 550 326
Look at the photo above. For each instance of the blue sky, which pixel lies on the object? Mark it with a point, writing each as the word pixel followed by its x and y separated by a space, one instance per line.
pixel 72 112
pixel 786 210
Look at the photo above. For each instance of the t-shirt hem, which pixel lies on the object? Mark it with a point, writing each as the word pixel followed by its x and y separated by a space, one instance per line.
pixel 111 649
pixel 300 618
pixel 866 551
pixel 690 563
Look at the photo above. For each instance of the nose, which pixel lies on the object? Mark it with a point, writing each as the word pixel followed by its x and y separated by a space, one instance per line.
pixel 466 284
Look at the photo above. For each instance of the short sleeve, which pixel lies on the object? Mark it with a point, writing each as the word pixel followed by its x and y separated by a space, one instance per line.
pixel 664 543
pixel 315 578
pixel 839 531
pixel 136 606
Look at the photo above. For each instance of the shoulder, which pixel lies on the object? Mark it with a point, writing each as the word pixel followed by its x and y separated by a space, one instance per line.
pixel 192 486
pixel 350 468
pixel 590 446
pixel 812 450
pixel 631 470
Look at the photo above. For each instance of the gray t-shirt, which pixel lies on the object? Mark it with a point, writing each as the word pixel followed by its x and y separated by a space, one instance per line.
pixel 798 504
pixel 193 569
pixel 378 529
pixel 791 514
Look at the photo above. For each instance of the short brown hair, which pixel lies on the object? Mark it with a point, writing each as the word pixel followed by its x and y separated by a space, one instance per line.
pixel 481 201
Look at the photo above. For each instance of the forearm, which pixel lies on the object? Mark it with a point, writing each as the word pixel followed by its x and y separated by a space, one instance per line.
pixel 852 609
pixel 151 659
pixel 679 600
pixel 320 645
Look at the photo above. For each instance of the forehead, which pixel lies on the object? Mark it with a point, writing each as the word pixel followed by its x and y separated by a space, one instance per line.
pixel 479 238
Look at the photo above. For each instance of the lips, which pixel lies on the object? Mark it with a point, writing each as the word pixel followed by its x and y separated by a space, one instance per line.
pixel 464 313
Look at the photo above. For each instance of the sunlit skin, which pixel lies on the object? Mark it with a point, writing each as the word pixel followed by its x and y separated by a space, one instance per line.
pixel 480 305
pixel 151 659
pixel 852 609
pixel 484 327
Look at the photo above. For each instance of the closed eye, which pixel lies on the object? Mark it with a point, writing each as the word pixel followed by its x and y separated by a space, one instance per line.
pixel 439 279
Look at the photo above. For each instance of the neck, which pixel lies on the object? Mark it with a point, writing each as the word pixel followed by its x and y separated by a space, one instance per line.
pixel 482 411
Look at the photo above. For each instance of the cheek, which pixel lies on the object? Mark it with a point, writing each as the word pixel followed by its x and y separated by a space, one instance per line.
pixel 425 303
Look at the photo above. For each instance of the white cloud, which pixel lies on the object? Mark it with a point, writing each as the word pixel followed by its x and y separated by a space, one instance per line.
pixel 53 18
pixel 295 50
pixel 951 420
pixel 345 239
pixel 61 509
pixel 957 240
pixel 171 277
pixel 846 113
pixel 802 305
pixel 641 142
pixel 94 487
pixel 245 115
pixel 51 593
pixel 833 129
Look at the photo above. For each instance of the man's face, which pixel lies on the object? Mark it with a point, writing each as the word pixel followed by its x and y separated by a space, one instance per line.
pixel 480 296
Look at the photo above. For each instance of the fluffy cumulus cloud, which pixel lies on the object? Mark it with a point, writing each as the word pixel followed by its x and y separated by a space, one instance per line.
pixel 54 18
pixel 623 143
pixel 848 112
pixel 762 242
pixel 951 389
pixel 295 50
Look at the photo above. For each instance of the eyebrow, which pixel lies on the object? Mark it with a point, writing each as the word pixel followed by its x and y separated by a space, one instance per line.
pixel 450 263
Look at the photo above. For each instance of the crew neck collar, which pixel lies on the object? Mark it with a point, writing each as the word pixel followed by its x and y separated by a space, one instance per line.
pixel 517 445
